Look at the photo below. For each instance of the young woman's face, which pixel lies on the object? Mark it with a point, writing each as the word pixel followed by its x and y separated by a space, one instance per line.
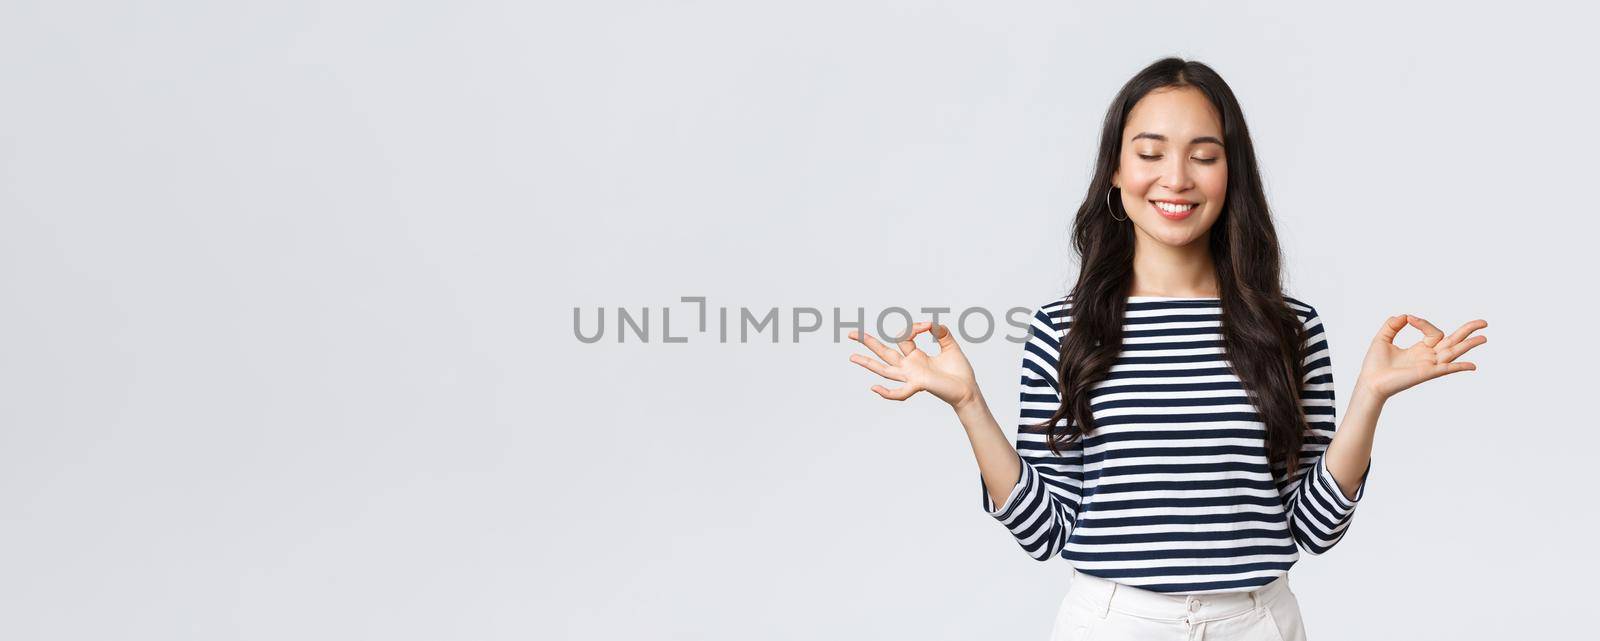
pixel 1173 174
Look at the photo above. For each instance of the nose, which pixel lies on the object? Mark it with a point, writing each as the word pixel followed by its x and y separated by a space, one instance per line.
pixel 1176 178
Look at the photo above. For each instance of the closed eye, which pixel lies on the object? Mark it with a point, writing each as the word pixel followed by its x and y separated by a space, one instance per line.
pixel 1203 161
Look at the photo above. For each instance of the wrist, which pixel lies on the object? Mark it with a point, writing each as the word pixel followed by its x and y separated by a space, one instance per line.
pixel 973 398
pixel 1366 395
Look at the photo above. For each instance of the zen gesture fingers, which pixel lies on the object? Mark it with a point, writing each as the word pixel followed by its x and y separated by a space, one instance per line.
pixel 947 375
pixel 1389 369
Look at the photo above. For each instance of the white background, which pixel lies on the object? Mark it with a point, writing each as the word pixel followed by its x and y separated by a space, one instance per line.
pixel 286 301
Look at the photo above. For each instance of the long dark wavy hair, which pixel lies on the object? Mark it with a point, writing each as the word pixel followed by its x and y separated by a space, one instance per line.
pixel 1261 334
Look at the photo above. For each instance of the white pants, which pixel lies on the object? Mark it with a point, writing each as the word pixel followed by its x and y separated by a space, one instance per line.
pixel 1101 610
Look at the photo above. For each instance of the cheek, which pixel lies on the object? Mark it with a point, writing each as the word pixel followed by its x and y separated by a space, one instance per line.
pixel 1138 179
pixel 1215 186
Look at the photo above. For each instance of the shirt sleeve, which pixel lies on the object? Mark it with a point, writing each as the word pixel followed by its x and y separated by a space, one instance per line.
pixel 1042 507
pixel 1319 512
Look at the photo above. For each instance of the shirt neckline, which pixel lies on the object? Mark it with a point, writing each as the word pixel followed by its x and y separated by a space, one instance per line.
pixel 1173 298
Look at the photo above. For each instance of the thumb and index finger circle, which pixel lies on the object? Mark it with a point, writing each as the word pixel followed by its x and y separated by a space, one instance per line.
pixel 1391 328
pixel 939 331
pixel 908 344
pixel 1431 335
pixel 946 339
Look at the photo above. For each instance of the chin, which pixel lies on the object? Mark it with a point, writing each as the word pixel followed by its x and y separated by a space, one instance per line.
pixel 1167 235
pixel 1181 242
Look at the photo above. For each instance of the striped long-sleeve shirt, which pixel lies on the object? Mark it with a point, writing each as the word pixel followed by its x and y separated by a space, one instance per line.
pixel 1172 490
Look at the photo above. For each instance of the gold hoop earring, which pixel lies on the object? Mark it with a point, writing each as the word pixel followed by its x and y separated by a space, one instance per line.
pixel 1124 218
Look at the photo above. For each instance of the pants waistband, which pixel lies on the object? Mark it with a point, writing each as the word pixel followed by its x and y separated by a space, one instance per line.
pixel 1104 594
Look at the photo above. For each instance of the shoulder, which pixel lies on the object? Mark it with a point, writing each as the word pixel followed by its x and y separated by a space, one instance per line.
pixel 1048 321
pixel 1310 321
pixel 1055 313
pixel 1301 308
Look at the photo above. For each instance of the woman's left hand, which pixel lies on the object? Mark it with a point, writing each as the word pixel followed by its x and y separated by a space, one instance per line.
pixel 1390 369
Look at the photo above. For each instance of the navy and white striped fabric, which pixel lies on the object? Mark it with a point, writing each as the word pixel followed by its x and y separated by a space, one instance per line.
pixel 1172 491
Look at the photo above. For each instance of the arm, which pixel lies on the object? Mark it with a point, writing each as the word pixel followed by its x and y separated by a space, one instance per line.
pixel 1036 493
pixel 1320 505
pixel 1332 474
pixel 1030 490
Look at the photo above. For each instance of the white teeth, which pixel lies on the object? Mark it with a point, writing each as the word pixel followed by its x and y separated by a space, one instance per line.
pixel 1174 208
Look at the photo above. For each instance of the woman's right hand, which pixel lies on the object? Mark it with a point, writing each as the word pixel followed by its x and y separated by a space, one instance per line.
pixel 946 375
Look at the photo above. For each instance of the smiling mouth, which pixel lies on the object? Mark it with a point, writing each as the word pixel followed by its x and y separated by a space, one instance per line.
pixel 1173 212
pixel 1173 209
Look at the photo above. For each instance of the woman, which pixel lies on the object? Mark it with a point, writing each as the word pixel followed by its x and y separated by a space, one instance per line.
pixel 1178 444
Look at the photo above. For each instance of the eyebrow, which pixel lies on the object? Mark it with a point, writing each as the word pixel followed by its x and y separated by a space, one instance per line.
pixel 1196 141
